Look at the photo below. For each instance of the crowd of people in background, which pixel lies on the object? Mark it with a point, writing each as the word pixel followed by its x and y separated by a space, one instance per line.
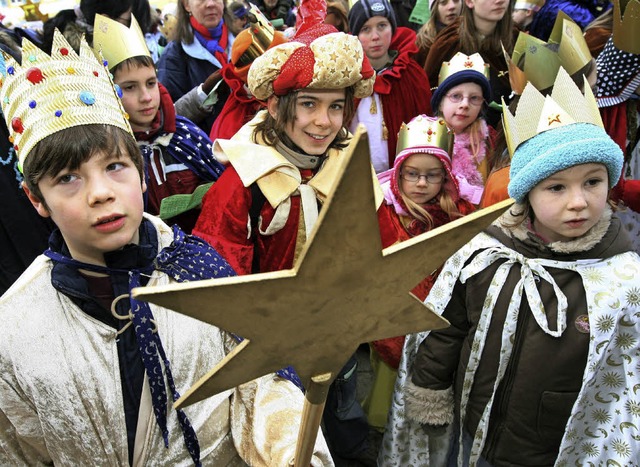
pixel 226 100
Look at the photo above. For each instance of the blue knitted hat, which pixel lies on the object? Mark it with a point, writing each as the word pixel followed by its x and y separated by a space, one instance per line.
pixel 464 76
pixel 558 149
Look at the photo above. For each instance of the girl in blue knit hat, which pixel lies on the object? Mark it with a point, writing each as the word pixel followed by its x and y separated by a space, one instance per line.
pixel 537 365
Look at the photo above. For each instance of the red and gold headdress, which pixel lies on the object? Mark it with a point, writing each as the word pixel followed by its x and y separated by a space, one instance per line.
pixel 317 57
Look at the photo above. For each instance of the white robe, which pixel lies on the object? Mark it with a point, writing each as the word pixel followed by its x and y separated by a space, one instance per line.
pixel 61 396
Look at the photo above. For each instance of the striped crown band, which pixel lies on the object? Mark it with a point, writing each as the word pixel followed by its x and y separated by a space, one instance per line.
pixel 49 93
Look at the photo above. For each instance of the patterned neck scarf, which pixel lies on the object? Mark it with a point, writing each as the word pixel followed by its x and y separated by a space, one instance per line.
pixel 180 262
pixel 214 39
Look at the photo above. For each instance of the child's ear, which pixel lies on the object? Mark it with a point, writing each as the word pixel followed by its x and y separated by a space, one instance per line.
pixel 37 203
pixel 144 186
pixel 272 106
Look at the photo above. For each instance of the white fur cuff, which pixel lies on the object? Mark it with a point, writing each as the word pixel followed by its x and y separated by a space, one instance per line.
pixel 428 406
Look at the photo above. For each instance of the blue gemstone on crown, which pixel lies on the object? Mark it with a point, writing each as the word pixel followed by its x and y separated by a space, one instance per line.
pixel 87 97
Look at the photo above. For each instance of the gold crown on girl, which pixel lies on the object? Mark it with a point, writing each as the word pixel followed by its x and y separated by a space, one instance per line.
pixel 462 62
pixel 46 94
pixel 534 61
pixel 626 25
pixel 425 131
pixel 117 42
pixel 537 113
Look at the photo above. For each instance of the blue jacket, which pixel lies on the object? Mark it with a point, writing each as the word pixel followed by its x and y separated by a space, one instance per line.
pixel 182 67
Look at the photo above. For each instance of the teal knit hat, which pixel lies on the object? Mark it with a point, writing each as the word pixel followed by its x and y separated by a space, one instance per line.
pixel 558 149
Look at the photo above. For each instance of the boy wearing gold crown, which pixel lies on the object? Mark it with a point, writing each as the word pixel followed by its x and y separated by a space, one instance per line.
pixel 177 153
pixel 86 369
pixel 545 316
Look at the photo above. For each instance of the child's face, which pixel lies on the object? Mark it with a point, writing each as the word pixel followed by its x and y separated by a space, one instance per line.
pixel 568 203
pixel 459 115
pixel 522 17
pixel 422 190
pixel 140 95
pixel 98 207
pixel 319 115
pixel 488 11
pixel 448 11
pixel 375 37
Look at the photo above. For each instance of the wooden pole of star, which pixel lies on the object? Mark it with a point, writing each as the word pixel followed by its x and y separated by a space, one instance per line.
pixel 314 401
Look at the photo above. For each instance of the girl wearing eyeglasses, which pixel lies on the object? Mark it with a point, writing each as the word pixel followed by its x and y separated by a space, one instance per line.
pixel 461 100
pixel 420 194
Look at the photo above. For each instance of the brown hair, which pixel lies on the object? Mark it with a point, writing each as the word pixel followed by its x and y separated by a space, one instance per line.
pixel 183 31
pixel 71 147
pixel 139 61
pixel 428 31
pixel 502 34
pixel 272 129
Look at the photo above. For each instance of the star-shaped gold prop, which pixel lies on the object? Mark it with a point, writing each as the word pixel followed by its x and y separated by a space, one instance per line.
pixel 342 291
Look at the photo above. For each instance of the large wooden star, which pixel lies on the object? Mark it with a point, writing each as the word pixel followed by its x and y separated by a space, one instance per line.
pixel 343 290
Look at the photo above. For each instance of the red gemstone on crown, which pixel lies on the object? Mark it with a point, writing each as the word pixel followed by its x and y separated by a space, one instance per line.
pixel 16 124
pixel 34 75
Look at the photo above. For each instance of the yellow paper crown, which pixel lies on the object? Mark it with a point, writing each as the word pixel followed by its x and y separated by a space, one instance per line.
pixel 541 63
pixel 626 31
pixel 425 131
pixel 47 94
pixel 462 62
pixel 118 42
pixel 537 113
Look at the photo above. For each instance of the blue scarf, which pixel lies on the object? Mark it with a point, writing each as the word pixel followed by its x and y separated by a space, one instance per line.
pixel 209 38
pixel 179 261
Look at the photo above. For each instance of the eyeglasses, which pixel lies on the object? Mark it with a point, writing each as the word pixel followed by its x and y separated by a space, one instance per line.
pixel 457 97
pixel 413 176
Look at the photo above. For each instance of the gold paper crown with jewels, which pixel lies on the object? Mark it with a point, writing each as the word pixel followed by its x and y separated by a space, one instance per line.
pixel 117 42
pixel 541 62
pixel 47 94
pixel 626 25
pixel 461 62
pixel 537 113
pixel 425 131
